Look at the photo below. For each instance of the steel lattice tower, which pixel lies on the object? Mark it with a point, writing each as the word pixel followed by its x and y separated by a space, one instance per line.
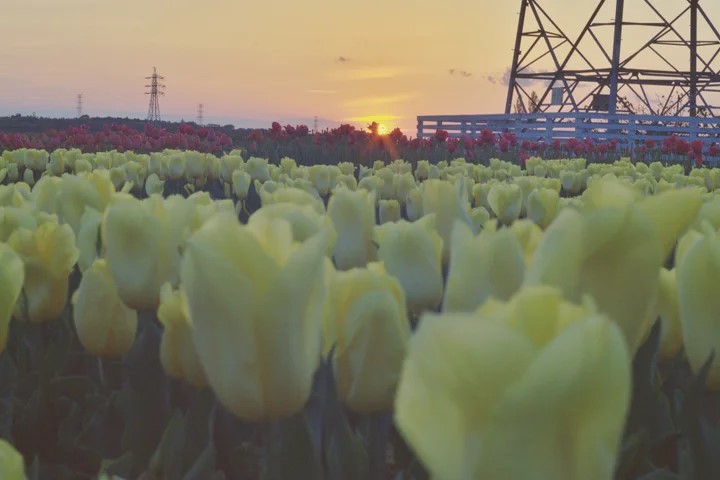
pixel 668 70
pixel 200 114
pixel 155 90
pixel 79 105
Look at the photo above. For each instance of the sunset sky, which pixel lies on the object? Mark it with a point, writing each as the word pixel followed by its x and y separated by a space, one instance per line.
pixel 250 63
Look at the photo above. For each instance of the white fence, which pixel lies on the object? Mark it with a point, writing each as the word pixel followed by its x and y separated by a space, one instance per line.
pixel 597 126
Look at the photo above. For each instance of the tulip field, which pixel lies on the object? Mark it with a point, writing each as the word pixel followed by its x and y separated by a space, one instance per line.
pixel 188 315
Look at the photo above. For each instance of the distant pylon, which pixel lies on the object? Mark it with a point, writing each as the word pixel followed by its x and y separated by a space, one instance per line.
pixel 315 124
pixel 79 105
pixel 155 90
pixel 200 114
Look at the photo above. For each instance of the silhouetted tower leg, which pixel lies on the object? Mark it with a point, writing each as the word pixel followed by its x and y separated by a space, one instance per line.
pixel 591 72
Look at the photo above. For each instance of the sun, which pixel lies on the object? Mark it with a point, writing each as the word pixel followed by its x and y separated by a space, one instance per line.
pixel 382 129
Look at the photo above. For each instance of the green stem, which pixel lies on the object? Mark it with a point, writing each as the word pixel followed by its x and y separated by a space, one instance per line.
pixel 378 432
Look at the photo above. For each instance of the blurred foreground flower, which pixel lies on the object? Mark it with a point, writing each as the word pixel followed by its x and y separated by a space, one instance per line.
pixel 255 299
pixel 535 388
pixel 12 276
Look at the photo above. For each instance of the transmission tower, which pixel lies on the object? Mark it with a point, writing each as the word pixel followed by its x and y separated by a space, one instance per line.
pixel 315 124
pixel 662 68
pixel 155 90
pixel 200 114
pixel 79 105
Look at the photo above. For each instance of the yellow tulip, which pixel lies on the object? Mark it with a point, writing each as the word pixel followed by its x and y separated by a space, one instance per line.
pixel 505 200
pixel 535 392
pixel 295 196
pixel 49 254
pixel 12 465
pixel 389 211
pixel 88 239
pixel 241 183
pixel 613 251
pixel 12 276
pixel 449 203
pixel 542 206
pixel 671 341
pixel 529 236
pixel 413 205
pixel 255 300
pixel 412 252
pixel 105 325
pixel 153 184
pixel 178 355
pixel 367 323
pixel 142 242
pixel 698 271
pixel 491 264
pixel 258 169
pixel 305 221
pixel 353 216
pixel 320 178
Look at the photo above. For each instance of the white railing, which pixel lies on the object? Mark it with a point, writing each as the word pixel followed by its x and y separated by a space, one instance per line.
pixel 597 126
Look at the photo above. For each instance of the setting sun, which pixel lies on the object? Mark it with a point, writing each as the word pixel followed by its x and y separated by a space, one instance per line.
pixel 382 129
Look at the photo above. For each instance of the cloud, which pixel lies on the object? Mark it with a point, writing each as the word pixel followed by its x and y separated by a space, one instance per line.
pixel 320 91
pixel 504 79
pixel 370 73
pixel 462 73
pixel 343 59
pixel 376 101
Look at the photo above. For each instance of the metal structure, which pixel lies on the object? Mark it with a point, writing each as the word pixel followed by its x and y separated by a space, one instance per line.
pixel 672 68
pixel 79 105
pixel 545 127
pixel 155 91
pixel 200 114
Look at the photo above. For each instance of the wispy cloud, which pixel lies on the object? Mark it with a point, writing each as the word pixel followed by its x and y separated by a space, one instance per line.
pixel 370 73
pixel 374 118
pixel 320 91
pixel 460 73
pixel 504 79
pixel 377 101
pixel 343 59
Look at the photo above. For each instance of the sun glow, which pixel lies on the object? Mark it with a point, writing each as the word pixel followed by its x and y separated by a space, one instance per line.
pixel 382 130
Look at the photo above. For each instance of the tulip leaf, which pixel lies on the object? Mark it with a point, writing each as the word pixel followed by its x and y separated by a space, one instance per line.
pixel 345 455
pixel 8 384
pixel 289 452
pixel 167 459
pixel 650 408
pixel 198 425
pixel 145 393
pixel 204 467
pixel 703 438
pixel 660 475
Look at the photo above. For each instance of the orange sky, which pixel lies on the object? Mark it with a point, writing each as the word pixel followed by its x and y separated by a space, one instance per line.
pixel 251 63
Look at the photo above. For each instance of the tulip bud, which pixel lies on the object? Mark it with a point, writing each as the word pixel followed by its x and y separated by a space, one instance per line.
pixel 305 221
pixel 259 354
pixel 49 254
pixel 505 200
pixel 367 323
pixel 142 242
pixel 153 184
pixel 491 264
pixel 389 211
pixel 178 355
pixel 353 216
pixel 105 326
pixel 258 169
pixel 412 252
pixel 449 203
pixel 542 206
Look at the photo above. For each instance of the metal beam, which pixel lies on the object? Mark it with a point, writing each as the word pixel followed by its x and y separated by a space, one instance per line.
pixel 617 41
